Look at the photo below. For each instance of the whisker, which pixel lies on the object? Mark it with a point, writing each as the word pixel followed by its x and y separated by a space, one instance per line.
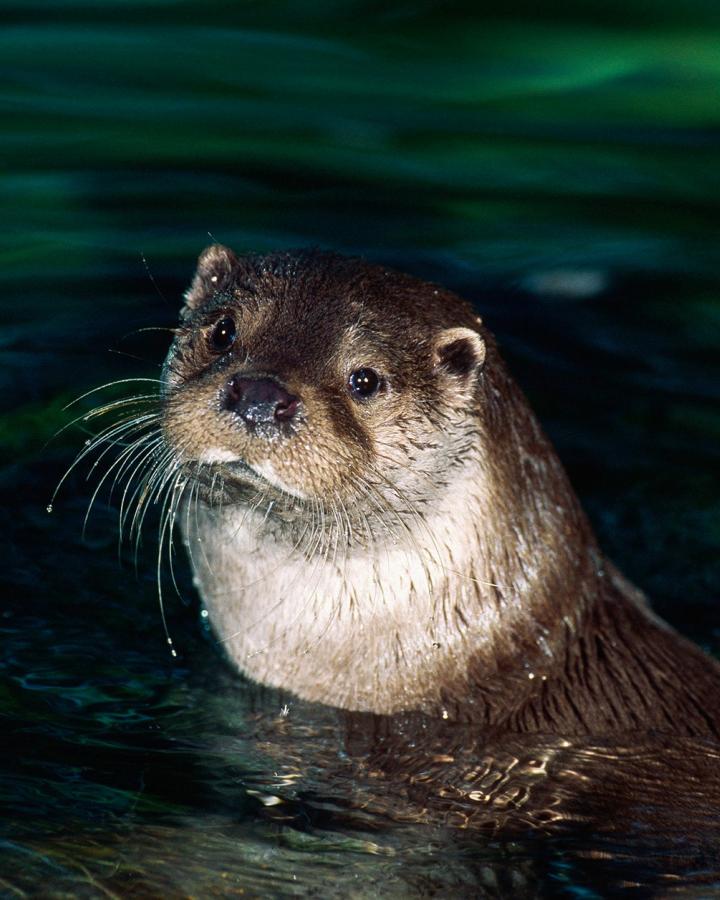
pixel 101 410
pixel 110 384
pixel 167 521
pixel 142 459
pixel 128 453
pixel 89 448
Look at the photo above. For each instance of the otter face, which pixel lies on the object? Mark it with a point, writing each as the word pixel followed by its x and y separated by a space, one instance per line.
pixel 310 377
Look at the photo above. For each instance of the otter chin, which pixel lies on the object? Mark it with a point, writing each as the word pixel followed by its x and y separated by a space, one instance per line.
pixel 376 520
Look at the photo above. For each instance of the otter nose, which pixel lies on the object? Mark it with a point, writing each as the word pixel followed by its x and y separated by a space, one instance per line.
pixel 259 400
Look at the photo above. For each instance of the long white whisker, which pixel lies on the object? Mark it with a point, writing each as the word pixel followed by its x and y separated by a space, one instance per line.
pixel 90 447
pixel 145 459
pixel 128 453
pixel 110 384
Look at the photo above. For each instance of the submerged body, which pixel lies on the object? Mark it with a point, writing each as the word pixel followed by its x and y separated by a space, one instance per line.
pixel 377 522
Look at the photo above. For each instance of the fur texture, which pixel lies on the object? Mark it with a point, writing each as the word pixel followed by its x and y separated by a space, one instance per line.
pixel 419 549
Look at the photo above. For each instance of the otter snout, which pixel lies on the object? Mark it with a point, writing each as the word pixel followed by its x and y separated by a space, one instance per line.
pixel 259 400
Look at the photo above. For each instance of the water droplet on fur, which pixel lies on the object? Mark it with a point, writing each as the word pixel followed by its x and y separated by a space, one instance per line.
pixel 173 653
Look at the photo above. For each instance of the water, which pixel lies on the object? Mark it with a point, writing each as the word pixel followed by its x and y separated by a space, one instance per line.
pixel 561 169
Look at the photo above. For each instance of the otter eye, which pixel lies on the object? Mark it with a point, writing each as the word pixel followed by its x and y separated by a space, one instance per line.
pixel 363 383
pixel 223 335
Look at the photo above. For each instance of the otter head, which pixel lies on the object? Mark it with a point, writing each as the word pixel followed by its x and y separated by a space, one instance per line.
pixel 373 515
pixel 313 378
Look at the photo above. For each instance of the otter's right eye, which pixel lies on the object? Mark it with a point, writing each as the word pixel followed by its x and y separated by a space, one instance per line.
pixel 223 335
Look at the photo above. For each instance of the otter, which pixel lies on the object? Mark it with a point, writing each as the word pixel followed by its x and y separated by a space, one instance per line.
pixel 376 521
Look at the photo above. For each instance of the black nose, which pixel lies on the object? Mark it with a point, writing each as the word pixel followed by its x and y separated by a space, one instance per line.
pixel 259 400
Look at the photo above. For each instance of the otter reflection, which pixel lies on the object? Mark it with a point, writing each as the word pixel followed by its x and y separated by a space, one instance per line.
pixel 628 810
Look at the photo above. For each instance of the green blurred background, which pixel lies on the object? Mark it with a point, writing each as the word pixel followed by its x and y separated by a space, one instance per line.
pixel 558 164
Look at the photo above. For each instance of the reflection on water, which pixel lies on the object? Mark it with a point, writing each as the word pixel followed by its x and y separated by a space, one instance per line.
pixel 559 168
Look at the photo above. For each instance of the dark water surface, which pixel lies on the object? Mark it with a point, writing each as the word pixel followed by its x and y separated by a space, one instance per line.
pixel 561 169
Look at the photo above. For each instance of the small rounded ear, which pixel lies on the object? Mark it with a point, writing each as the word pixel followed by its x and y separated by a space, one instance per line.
pixel 459 352
pixel 214 272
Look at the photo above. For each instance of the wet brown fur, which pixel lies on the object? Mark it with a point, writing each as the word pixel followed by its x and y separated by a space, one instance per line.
pixel 534 631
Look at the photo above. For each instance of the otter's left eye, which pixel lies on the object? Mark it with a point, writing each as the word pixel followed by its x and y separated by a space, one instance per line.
pixel 223 335
pixel 363 383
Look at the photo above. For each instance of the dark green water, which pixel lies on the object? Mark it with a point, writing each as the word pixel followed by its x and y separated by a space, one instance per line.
pixel 488 150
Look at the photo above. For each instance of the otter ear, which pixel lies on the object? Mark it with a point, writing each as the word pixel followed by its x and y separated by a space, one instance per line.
pixel 214 272
pixel 459 352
